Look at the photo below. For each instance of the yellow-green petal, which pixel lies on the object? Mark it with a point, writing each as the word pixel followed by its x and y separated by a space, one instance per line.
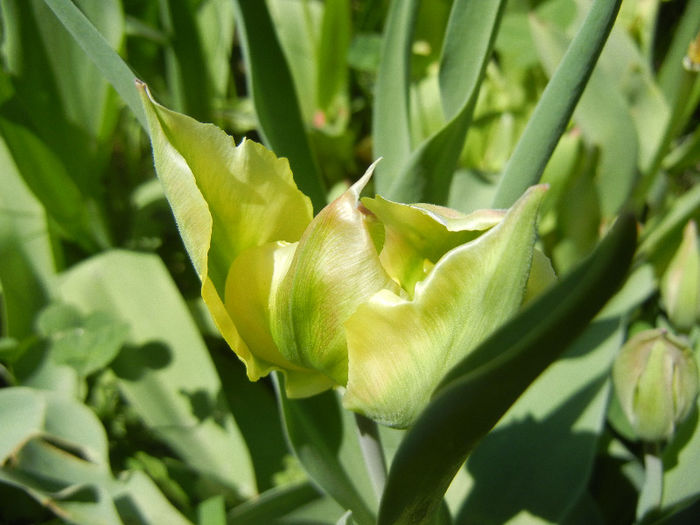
pixel 542 276
pixel 418 235
pixel 336 267
pixel 399 349
pixel 251 287
pixel 225 198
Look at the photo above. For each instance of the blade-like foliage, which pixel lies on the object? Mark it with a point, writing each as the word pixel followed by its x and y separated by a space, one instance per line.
pixel 279 116
pixel 101 53
pixel 556 105
pixel 426 175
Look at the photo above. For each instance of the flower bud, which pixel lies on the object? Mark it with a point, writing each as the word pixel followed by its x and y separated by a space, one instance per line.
pixel 656 382
pixel 680 285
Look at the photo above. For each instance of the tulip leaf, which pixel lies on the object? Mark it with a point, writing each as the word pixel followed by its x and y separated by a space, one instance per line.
pixel 604 118
pixel 99 50
pixel 279 117
pixel 426 175
pixel 27 261
pixel 61 436
pixel 391 124
pixel 399 349
pixel 274 503
pixel 316 433
pixel 554 109
pixel 165 366
pixel 481 388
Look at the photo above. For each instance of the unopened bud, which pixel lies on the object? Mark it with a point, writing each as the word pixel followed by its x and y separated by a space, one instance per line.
pixel 656 382
pixel 680 285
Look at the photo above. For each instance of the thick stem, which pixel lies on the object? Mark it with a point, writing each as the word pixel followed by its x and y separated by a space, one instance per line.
pixel 652 491
pixel 371 445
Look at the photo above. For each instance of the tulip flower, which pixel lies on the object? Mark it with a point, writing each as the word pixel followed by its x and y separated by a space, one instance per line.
pixel 375 297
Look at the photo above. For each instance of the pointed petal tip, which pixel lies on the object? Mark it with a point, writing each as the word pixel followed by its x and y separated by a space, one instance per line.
pixel 357 188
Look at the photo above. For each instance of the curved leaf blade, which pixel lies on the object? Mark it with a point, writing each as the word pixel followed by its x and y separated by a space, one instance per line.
pixel 484 385
pixel 275 99
pixel 391 125
pixel 101 53
pixel 558 101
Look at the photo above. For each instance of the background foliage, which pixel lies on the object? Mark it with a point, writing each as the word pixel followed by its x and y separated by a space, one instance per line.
pixel 120 403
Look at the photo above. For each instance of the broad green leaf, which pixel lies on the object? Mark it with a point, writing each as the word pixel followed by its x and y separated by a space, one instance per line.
pixel 550 433
pixel 27 260
pixel 481 388
pixel 556 105
pixel 62 463
pixel 165 367
pixel 316 432
pixel 86 344
pixel 391 128
pixel 274 97
pixel 101 52
pixel 399 349
pixel 22 413
pixel 84 93
pixel 257 416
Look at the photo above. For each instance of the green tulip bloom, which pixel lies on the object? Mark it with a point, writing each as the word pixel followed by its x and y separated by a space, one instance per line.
pixel 373 296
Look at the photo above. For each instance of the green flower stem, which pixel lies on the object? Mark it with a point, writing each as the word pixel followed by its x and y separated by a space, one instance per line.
pixel 371 445
pixel 652 491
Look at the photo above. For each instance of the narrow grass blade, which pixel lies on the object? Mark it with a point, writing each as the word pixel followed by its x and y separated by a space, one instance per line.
pixel 101 53
pixel 391 125
pixel 479 390
pixel 554 109
pixel 274 97
pixel 427 174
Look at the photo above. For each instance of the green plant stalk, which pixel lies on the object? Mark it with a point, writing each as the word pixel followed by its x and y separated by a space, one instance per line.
pixel 652 491
pixel 372 452
pixel 553 111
